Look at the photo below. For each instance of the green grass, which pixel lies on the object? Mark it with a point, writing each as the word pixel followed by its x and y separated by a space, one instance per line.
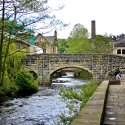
pixel 76 99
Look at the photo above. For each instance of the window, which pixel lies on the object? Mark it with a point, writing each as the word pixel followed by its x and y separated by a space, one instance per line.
pixel 123 51
pixel 118 51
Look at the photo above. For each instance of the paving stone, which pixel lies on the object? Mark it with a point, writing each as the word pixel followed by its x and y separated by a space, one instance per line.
pixel 115 105
pixel 120 123
pixel 114 110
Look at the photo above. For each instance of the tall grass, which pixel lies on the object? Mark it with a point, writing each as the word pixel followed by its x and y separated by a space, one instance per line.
pixel 75 100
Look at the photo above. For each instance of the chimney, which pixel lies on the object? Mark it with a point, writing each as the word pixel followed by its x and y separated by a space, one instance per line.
pixel 55 38
pixel 55 35
pixel 93 29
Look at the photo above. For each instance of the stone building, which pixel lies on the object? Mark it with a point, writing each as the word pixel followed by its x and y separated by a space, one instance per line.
pixel 22 45
pixel 48 44
pixel 119 44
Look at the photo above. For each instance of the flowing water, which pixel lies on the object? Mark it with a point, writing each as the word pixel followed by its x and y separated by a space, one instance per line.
pixel 42 108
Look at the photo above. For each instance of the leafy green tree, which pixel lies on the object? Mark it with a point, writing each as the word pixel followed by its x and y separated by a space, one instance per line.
pixel 79 31
pixel 101 44
pixel 15 19
pixel 79 45
pixel 13 60
pixel 62 45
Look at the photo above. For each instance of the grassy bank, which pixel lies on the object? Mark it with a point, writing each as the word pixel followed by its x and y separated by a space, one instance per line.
pixel 82 74
pixel 76 99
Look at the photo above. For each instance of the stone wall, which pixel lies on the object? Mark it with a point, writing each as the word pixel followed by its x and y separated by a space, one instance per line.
pixel 93 111
pixel 97 64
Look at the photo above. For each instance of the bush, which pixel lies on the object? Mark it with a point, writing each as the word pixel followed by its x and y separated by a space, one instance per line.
pixel 76 100
pixel 10 90
pixel 82 74
pixel 27 85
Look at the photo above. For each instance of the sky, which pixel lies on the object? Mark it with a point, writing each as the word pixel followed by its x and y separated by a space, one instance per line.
pixel 108 14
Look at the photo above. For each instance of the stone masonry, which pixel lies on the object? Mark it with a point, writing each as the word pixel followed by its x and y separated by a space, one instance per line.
pixel 99 65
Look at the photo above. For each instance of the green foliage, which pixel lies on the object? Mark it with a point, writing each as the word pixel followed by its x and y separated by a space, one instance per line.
pixel 12 74
pixel 88 90
pixel 10 90
pixel 78 46
pixel 82 74
pixel 13 60
pixel 79 42
pixel 85 75
pixel 66 120
pixel 62 45
pixel 27 85
pixel 79 31
pixel 102 44
pixel 70 94
pixel 112 73
pixel 76 99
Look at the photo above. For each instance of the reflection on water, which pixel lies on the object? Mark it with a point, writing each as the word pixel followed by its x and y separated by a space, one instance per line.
pixel 42 108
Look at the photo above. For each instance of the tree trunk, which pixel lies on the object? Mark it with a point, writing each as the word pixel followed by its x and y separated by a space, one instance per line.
pixel 1 40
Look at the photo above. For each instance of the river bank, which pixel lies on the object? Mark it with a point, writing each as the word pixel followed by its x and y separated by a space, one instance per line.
pixel 42 108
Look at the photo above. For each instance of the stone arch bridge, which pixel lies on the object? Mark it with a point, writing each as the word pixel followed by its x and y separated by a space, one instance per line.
pixel 99 65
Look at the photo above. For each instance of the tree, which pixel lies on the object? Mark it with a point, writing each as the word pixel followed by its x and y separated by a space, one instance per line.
pixel 78 45
pixel 102 44
pixel 79 31
pixel 15 19
pixel 62 45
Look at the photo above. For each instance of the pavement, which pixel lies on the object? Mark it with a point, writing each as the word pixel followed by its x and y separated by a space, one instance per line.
pixel 115 105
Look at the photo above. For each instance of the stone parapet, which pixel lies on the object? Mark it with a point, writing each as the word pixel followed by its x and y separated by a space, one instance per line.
pixel 92 113
pixel 99 65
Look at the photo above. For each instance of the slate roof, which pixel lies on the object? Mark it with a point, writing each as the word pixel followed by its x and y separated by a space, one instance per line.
pixel 119 42
pixel 50 39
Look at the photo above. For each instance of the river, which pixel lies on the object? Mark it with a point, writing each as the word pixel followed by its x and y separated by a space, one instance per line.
pixel 42 108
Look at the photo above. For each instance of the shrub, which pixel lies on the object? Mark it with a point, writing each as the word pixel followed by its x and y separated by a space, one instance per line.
pixel 10 89
pixel 76 99
pixel 27 85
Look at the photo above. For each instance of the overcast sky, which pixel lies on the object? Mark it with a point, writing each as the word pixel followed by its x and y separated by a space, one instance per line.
pixel 108 14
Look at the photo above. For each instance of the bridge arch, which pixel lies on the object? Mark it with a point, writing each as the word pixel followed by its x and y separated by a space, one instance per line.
pixel 77 67
pixel 61 68
pixel 99 65
pixel 32 71
pixel 35 76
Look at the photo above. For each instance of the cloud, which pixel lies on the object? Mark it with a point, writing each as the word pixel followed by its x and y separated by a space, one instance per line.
pixel 108 14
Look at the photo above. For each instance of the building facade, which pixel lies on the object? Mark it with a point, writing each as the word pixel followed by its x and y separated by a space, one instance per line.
pixel 119 45
pixel 48 44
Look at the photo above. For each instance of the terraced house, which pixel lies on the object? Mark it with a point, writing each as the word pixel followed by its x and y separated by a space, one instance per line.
pixel 119 44
pixel 44 44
